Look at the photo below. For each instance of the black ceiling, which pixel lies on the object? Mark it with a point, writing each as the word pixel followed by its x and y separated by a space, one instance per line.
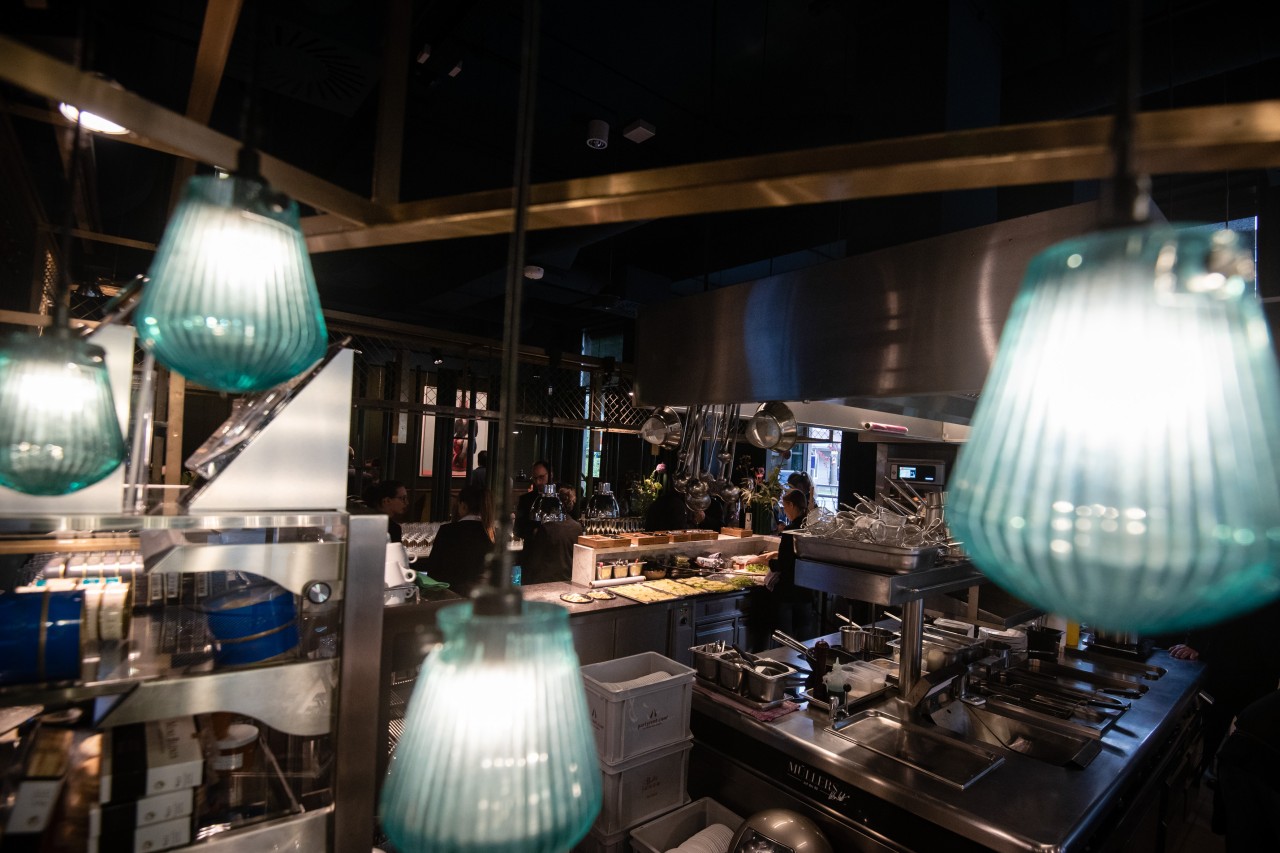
pixel 716 80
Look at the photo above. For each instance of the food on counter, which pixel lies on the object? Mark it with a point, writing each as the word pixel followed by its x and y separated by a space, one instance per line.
pixel 576 598
pixel 682 562
pixel 673 587
pixel 600 595
pixel 642 593
pixel 708 585
pixel 742 581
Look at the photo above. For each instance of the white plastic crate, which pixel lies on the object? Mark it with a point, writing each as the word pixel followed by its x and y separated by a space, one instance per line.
pixel 631 720
pixel 597 842
pixel 644 787
pixel 673 829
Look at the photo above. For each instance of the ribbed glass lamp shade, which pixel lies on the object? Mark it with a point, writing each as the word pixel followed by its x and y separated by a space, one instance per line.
pixel 1124 462
pixel 232 302
pixel 58 425
pixel 497 753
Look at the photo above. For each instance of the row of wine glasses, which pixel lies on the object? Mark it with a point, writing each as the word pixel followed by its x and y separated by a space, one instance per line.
pixel 611 526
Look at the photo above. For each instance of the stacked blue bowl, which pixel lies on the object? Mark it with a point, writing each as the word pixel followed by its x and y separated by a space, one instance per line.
pixel 253 624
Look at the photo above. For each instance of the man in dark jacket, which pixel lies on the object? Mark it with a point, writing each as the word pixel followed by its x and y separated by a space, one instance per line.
pixel 458 554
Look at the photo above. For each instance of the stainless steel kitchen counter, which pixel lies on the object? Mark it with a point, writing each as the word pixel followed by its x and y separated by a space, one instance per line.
pixel 1024 804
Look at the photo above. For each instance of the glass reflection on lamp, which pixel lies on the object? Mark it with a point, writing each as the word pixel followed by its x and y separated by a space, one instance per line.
pixel 232 302
pixel 498 753
pixel 1124 464
pixel 603 503
pixel 547 507
pixel 58 427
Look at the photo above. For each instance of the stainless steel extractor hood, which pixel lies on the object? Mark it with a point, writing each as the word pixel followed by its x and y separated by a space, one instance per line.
pixel 910 330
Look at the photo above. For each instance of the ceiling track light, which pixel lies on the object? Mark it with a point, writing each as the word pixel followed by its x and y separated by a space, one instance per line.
pixel 437 358
pixel 597 134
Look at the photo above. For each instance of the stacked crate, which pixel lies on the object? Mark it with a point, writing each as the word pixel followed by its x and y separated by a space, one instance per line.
pixel 639 708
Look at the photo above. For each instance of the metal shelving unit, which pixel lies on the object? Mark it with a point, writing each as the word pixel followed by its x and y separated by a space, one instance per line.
pixel 326 558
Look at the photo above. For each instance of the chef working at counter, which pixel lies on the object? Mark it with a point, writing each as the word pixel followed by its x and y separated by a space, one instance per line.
pixel 793 610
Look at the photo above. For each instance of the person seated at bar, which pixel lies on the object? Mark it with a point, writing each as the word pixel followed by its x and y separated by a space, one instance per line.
pixel 391 498
pixel 458 554
pixel 548 553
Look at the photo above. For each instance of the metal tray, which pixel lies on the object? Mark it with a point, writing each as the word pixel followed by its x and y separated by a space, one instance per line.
pixel 924 750
pixel 847 552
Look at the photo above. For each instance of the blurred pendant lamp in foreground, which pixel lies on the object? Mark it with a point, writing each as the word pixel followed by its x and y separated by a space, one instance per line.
pixel 232 302
pixel 1124 467
pixel 58 427
pixel 512 768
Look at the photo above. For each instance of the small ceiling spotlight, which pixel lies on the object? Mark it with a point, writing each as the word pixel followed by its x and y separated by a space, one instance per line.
pixel 436 357
pixel 597 134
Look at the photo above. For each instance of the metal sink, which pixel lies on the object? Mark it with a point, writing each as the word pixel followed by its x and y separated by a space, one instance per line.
pixel 998 725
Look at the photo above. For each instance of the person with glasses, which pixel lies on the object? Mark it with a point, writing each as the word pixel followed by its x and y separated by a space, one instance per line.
pixel 391 498
pixel 540 475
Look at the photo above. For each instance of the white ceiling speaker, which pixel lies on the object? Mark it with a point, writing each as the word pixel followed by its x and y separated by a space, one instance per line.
pixel 597 134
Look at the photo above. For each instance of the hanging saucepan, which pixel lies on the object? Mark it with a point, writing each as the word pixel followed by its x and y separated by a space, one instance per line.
pixel 662 428
pixel 772 427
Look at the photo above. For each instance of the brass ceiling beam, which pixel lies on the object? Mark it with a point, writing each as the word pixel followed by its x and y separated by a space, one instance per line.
pixel 220 20
pixel 51 78
pixel 1195 139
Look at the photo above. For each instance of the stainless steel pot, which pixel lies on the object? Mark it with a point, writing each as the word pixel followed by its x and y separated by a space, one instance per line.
pixel 772 427
pixel 853 639
pixel 662 428
pixel 765 679
pixel 878 640
pixel 731 671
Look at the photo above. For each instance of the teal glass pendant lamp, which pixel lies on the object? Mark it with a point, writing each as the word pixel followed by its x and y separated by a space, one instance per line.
pixel 232 302
pixel 1124 462
pixel 58 427
pixel 498 753
pixel 1124 466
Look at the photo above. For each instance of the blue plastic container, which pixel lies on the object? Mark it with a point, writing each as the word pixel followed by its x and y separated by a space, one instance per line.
pixel 259 648
pixel 35 619
pixel 250 611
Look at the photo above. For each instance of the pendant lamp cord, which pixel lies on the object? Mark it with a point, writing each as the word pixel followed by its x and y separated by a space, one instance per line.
pixel 505 599
pixel 62 299
pixel 1129 193
pixel 248 163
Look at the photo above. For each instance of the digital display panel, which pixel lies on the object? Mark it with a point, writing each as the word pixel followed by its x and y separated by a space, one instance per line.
pixel 919 473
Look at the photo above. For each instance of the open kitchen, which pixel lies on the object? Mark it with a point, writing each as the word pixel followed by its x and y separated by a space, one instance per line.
pixel 711 427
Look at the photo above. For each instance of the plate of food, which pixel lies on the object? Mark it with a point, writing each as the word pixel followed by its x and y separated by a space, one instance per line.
pixel 576 598
pixel 600 595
